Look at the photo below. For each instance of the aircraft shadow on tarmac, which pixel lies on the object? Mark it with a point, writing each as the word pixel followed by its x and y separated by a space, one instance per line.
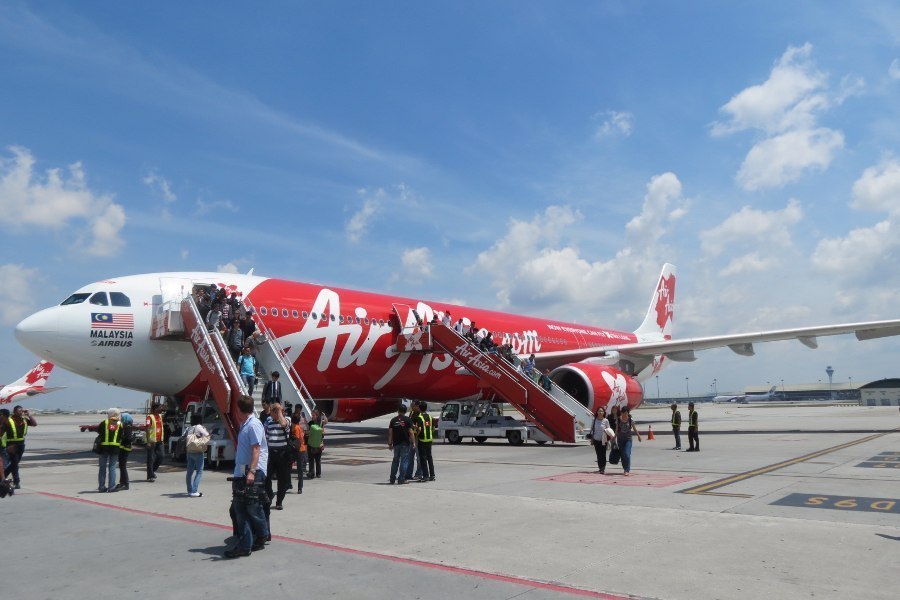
pixel 896 538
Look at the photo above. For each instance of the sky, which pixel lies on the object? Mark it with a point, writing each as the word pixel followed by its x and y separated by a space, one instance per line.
pixel 541 158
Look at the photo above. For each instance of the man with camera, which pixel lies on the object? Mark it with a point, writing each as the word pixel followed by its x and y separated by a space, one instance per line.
pixel 248 492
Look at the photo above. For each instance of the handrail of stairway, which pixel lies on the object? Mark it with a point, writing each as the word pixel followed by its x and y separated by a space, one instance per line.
pixel 302 391
pixel 222 350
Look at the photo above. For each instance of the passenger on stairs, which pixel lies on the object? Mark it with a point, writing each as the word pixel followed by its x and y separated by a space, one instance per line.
pixel 272 391
pixel 247 369
pixel 213 317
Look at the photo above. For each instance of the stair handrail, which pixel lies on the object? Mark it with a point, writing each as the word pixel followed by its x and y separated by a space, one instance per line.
pixel 302 391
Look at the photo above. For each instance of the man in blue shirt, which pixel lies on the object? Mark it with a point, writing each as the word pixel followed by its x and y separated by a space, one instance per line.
pixel 250 467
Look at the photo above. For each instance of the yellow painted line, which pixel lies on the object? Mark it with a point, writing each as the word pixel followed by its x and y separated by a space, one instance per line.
pixel 707 488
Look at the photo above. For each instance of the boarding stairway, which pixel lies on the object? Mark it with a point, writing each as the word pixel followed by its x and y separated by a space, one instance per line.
pixel 556 413
pixel 270 353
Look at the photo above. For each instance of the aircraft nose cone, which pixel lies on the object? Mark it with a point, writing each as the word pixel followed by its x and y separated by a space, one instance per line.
pixel 38 331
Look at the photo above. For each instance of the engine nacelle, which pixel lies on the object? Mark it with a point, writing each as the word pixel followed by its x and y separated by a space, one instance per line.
pixel 596 385
pixel 353 410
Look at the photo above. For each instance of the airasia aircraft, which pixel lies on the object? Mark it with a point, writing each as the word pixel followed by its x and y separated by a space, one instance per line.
pixel 29 384
pixel 343 342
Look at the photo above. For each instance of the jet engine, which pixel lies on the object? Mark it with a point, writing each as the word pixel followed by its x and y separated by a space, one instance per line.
pixel 596 385
pixel 353 410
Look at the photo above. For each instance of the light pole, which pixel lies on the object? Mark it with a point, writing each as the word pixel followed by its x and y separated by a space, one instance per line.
pixel 687 386
pixel 657 387
pixel 782 387
pixel 715 387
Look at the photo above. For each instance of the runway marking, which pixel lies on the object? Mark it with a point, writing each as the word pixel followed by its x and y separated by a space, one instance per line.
pixel 657 480
pixel 856 503
pixel 513 579
pixel 707 488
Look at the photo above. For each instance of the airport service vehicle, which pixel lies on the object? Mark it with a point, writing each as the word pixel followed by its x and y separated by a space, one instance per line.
pixel 29 384
pixel 354 354
pixel 220 448
pixel 481 420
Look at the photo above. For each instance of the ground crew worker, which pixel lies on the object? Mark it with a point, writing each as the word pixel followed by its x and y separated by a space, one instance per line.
pixel 4 456
pixel 16 428
pixel 676 426
pixel 155 438
pixel 125 442
pixel 110 433
pixel 693 429
pixel 411 469
pixel 426 436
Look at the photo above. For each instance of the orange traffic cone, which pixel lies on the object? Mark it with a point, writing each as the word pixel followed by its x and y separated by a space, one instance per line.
pixel 650 435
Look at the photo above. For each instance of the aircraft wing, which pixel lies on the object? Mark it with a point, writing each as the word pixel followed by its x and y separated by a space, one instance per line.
pixel 682 350
pixel 35 392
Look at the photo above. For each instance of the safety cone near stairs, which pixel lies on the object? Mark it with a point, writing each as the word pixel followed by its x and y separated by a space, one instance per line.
pixel 650 435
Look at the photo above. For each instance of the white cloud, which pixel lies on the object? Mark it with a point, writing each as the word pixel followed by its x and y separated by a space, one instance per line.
pixel 57 199
pixel 894 69
pixel 878 188
pixel 615 122
pixel 752 262
pixel 866 251
pixel 16 293
pixel 227 268
pixel 185 253
pixel 859 253
pixel 204 207
pixel 359 222
pixel 784 158
pixel 785 108
pixel 376 202
pixel 536 264
pixel 416 264
pixel 661 191
pixel 786 100
pixel 749 226
pixel 160 184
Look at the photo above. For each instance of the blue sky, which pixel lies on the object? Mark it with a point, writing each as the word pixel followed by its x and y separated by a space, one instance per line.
pixel 536 157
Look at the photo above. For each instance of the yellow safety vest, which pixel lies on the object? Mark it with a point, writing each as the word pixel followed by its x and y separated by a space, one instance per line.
pixel 115 437
pixel 426 433
pixel 156 424
pixel 14 436
pixel 692 418
pixel 676 419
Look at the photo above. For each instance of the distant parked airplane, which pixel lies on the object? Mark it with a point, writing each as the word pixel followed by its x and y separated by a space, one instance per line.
pixel 744 398
pixel 29 384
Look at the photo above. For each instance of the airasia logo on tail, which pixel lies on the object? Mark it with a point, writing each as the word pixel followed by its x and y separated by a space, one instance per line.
pixel 665 300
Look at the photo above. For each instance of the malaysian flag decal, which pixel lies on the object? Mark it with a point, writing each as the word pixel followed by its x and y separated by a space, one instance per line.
pixel 112 321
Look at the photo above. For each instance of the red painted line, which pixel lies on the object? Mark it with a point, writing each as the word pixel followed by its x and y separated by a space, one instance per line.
pixel 555 587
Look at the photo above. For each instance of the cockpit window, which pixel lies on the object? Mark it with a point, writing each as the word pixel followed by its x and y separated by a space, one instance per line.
pixel 75 299
pixel 99 299
pixel 119 299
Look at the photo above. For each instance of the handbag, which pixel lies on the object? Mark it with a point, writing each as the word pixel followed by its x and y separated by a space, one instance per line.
pixel 196 443
pixel 614 455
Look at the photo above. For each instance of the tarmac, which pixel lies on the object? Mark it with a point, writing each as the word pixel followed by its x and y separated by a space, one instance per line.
pixel 781 502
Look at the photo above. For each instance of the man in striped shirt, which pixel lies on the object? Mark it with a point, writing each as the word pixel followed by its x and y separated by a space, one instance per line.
pixel 277 431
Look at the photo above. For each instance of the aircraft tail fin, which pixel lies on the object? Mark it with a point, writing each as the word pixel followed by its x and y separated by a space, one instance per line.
pixel 657 323
pixel 36 378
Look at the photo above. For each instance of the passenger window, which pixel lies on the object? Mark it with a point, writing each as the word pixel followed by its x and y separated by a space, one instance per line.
pixel 75 299
pixel 295 314
pixel 99 299
pixel 284 312
pixel 332 318
pixel 314 316
pixel 263 310
pixel 119 299
pixel 305 314
pixel 342 318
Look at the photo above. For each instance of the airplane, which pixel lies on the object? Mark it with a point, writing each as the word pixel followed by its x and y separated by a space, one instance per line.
pixel 343 342
pixel 744 398
pixel 29 384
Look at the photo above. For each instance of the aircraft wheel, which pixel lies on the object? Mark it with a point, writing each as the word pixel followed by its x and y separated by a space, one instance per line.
pixel 480 439
pixel 541 442
pixel 453 437
pixel 515 438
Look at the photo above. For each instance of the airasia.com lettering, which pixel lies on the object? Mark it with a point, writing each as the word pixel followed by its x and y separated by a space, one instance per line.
pixel 474 361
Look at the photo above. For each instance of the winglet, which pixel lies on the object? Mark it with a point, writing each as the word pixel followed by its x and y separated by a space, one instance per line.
pixel 657 324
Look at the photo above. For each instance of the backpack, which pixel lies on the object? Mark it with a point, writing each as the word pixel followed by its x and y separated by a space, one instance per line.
pixel 315 436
